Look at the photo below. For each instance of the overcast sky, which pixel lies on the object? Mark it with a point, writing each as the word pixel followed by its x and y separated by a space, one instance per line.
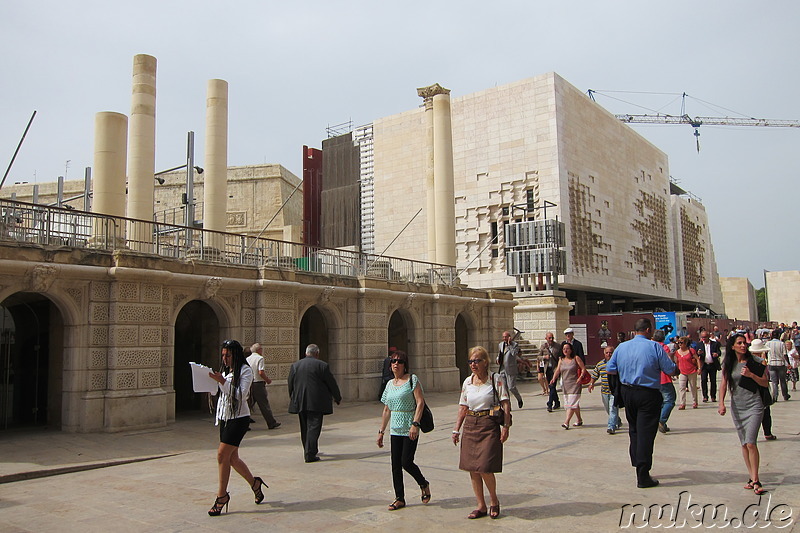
pixel 296 67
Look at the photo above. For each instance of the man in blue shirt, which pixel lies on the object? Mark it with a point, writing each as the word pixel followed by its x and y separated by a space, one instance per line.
pixel 639 363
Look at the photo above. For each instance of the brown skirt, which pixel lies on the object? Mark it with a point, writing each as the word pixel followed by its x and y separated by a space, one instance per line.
pixel 481 449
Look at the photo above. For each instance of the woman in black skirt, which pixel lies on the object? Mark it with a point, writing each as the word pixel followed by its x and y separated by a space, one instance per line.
pixel 233 419
pixel 483 435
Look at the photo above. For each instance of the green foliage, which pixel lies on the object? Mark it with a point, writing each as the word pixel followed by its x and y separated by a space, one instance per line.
pixel 761 304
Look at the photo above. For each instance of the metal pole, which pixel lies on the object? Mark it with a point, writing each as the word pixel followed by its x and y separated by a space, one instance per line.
pixel 189 214
pixel 17 150
pixel 87 189
pixel 60 193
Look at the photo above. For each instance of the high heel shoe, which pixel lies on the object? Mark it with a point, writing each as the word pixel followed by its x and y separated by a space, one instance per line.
pixel 426 493
pixel 257 489
pixel 219 503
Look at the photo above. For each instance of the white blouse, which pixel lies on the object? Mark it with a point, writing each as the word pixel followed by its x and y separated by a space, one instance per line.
pixel 481 397
pixel 224 402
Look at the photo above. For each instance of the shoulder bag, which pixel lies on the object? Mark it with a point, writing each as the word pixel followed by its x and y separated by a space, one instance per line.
pixel 426 421
pixel 496 412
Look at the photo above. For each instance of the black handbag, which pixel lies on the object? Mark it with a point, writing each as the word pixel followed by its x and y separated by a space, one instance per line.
pixel 426 421
pixel 766 395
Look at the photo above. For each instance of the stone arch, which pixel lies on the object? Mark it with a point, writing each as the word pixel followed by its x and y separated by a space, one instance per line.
pixel 466 328
pixel 35 339
pixel 198 333
pixel 321 324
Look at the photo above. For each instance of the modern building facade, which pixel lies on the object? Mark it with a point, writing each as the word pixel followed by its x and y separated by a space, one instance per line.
pixel 541 149
pixel 740 299
pixel 783 295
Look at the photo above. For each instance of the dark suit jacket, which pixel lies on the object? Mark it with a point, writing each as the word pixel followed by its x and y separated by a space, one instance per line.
pixel 312 387
pixel 715 349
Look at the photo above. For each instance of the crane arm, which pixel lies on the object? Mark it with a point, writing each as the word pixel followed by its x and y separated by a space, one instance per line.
pixel 708 121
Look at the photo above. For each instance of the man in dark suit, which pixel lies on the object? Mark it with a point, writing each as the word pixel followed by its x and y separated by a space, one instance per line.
pixel 708 350
pixel 311 389
pixel 577 346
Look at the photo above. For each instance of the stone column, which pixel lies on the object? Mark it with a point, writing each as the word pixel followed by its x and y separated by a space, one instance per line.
pixel 110 155
pixel 443 180
pixel 430 214
pixel 142 152
pixel 215 184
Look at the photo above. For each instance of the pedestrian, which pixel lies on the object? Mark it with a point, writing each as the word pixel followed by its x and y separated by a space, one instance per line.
pixel 507 359
pixel 312 391
pixel 689 366
pixel 482 425
pixel 577 346
pixel 777 362
pixel 794 358
pixel 552 351
pixel 233 418
pixel 571 369
pixel 708 351
pixel 258 391
pixel 742 376
pixel 599 372
pixel 668 394
pixel 402 410
pixel 639 363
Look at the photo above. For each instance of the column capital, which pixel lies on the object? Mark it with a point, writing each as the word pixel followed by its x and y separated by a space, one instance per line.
pixel 427 93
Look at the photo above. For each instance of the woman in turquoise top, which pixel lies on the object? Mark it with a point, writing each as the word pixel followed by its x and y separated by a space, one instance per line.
pixel 402 411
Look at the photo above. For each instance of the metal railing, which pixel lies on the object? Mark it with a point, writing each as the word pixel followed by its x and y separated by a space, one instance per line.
pixel 54 226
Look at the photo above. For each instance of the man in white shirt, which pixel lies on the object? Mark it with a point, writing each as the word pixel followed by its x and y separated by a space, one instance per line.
pixel 777 360
pixel 258 391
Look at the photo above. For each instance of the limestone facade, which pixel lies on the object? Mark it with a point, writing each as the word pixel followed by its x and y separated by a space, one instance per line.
pixel 783 296
pixel 740 298
pixel 256 193
pixel 112 347
pixel 542 140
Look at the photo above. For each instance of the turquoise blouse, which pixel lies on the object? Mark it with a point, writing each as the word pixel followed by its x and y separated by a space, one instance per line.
pixel 400 401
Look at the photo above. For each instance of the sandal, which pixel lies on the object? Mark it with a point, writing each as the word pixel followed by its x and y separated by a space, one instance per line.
pixel 477 513
pixel 770 437
pixel 564 426
pixel 426 493
pixel 257 490
pixel 494 511
pixel 397 504
pixel 758 489
pixel 219 504
pixel 578 423
pixel 749 484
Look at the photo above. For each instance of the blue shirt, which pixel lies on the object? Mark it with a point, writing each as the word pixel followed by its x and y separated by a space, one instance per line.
pixel 640 362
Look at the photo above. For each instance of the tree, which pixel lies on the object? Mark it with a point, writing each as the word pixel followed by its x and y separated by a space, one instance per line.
pixel 761 304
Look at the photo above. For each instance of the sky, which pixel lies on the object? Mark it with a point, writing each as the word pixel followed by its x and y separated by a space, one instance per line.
pixel 295 68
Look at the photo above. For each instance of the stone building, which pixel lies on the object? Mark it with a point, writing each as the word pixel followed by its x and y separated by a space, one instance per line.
pixel 541 149
pixel 740 299
pixel 783 295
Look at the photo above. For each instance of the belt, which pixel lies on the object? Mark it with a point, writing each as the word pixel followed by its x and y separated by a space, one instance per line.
pixel 638 387
pixel 484 412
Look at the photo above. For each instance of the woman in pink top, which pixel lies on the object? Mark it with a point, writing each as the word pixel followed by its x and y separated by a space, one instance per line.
pixel 689 365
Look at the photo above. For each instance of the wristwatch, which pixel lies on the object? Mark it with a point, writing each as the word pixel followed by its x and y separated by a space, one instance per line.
pixel 415 424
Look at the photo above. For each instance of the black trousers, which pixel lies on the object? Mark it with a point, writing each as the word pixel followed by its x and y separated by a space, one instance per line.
pixel 552 400
pixel 709 374
pixel 310 428
pixel 766 421
pixel 403 451
pixel 643 410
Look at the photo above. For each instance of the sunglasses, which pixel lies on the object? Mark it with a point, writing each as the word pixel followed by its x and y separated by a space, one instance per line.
pixel 474 361
pixel 398 361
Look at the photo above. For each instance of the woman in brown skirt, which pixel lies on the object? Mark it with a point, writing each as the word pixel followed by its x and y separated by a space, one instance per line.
pixel 482 437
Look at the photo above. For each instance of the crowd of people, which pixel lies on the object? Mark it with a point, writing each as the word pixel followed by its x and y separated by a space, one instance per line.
pixel 637 375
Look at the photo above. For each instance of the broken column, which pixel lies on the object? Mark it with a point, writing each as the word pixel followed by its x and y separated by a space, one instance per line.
pixel 110 157
pixel 215 184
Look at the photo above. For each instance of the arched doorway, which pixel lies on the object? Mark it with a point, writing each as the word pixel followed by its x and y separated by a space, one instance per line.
pixel 197 338
pixel 31 361
pixel 314 330
pixel 398 332
pixel 462 346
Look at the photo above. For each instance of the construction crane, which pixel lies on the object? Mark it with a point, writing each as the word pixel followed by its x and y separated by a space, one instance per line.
pixel 696 122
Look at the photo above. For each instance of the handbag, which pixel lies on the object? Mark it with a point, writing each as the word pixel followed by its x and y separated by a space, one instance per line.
pixel 426 424
pixel 585 378
pixel 496 412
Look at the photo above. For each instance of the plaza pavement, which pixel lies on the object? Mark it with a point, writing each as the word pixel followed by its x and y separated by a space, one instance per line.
pixel 553 480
